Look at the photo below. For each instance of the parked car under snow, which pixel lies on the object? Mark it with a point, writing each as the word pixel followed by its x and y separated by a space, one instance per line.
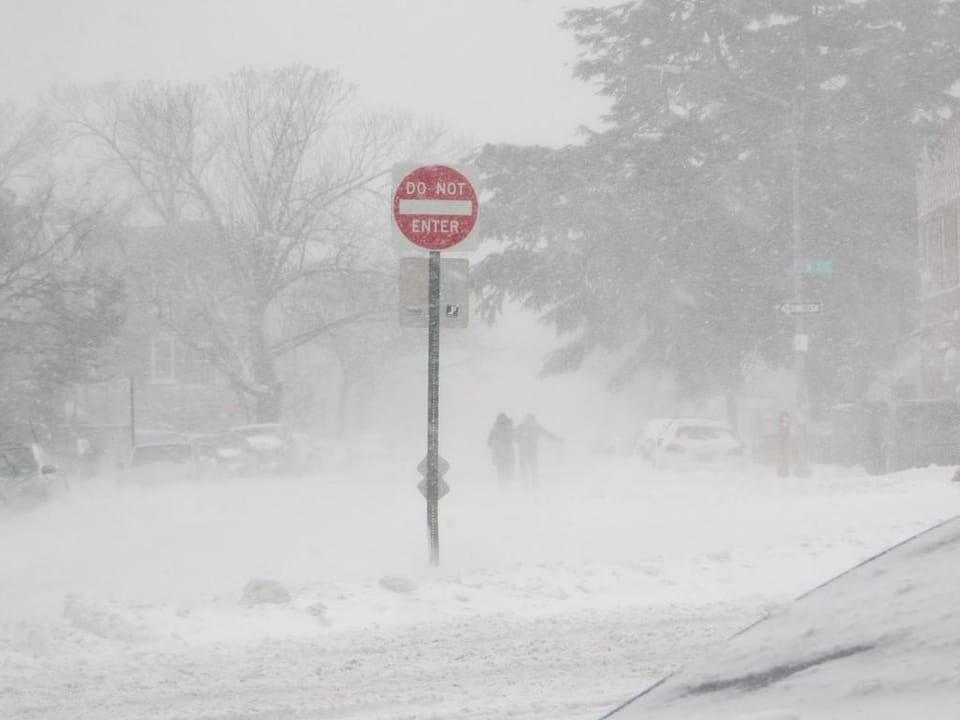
pixel 274 450
pixel 694 442
pixel 25 479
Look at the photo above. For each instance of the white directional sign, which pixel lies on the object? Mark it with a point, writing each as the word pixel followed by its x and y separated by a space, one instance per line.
pixel 454 292
pixel 810 308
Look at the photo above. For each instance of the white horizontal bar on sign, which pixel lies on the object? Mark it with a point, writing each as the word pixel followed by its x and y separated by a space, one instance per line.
pixel 436 207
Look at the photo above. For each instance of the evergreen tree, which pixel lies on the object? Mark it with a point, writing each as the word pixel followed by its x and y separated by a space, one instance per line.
pixel 670 232
pixel 57 310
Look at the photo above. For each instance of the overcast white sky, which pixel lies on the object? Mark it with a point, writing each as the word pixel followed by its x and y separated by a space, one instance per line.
pixel 493 70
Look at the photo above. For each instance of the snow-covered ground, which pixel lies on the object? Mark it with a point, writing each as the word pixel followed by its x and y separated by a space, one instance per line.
pixel 556 603
pixel 881 641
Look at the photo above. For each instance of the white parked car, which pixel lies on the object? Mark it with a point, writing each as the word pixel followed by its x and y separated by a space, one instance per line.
pixel 173 460
pixel 273 449
pixel 692 442
pixel 227 454
pixel 26 479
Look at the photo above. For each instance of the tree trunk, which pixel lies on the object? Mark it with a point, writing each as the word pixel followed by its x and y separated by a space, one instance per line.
pixel 269 396
pixel 342 403
pixel 270 404
pixel 733 409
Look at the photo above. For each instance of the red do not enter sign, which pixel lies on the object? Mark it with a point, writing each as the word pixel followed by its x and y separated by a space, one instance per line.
pixel 435 207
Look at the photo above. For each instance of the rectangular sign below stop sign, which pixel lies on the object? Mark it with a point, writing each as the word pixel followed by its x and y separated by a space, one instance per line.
pixel 454 292
pixel 435 207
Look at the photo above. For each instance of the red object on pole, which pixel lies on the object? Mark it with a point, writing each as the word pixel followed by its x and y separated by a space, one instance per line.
pixel 783 445
pixel 435 207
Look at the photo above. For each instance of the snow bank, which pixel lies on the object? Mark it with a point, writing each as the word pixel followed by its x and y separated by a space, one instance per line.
pixel 559 602
pixel 882 641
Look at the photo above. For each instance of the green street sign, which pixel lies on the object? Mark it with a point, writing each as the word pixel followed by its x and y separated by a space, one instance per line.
pixel 817 267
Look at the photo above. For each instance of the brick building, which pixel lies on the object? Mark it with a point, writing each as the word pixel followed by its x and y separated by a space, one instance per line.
pixel 176 386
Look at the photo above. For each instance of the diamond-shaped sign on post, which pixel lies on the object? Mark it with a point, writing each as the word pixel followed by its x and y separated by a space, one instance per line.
pixel 442 487
pixel 442 466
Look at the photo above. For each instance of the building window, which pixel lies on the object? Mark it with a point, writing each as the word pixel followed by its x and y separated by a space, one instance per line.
pixel 162 359
pixel 194 367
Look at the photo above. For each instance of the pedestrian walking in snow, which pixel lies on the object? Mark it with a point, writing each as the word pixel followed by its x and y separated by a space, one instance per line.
pixel 500 441
pixel 527 437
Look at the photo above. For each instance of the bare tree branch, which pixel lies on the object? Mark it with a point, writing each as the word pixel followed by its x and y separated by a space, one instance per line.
pixel 259 181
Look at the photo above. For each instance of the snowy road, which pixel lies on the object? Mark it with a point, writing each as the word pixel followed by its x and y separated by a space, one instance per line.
pixel 572 666
pixel 560 603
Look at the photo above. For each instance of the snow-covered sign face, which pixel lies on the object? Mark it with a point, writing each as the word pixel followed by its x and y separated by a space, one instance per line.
pixel 435 207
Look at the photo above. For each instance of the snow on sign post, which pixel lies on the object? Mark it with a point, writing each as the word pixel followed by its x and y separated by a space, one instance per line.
pixel 435 208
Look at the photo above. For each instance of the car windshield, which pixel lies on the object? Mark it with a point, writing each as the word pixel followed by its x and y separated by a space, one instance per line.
pixel 251 430
pixel 217 442
pixel 17 461
pixel 703 432
pixel 222 446
pixel 149 454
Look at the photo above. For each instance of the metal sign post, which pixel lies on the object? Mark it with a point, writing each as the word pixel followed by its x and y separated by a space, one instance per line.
pixel 433 408
pixel 435 208
pixel 133 416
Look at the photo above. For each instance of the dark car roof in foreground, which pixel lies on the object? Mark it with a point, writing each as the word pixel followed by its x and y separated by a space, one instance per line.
pixel 880 641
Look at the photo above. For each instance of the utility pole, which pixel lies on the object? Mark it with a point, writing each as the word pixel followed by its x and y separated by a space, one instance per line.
pixel 801 409
pixel 801 466
pixel 133 415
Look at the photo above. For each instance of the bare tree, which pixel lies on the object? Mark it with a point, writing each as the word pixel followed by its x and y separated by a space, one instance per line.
pixel 56 309
pixel 261 184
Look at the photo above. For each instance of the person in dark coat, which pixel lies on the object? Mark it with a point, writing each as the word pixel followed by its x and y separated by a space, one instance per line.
pixel 527 436
pixel 500 440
